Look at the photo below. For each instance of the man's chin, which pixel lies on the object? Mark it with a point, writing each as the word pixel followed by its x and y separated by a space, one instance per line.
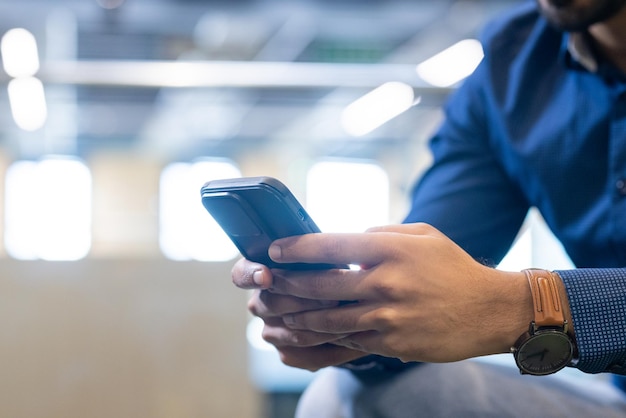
pixel 572 16
pixel 558 4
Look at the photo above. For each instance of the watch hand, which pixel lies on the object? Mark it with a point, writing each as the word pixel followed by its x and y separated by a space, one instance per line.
pixel 541 353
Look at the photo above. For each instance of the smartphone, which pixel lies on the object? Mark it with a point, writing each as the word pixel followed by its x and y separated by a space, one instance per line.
pixel 254 211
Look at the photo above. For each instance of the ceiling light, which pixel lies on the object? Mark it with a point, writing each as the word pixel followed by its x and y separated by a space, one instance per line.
pixel 377 107
pixel 28 103
pixel 453 64
pixel 19 53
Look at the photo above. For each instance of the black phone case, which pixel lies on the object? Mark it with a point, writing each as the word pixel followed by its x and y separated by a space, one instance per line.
pixel 254 211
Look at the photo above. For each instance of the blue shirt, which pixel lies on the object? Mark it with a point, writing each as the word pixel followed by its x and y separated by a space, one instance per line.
pixel 534 127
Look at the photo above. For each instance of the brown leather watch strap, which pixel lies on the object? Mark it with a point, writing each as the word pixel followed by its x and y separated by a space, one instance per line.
pixel 548 309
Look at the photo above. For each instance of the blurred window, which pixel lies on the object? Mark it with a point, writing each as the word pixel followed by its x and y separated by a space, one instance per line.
pixel 186 230
pixel 48 209
pixel 347 196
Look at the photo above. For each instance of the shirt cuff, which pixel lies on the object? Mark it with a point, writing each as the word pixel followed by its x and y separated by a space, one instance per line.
pixel 597 299
pixel 374 367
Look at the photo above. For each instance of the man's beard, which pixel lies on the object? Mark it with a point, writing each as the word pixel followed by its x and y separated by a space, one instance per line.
pixel 570 15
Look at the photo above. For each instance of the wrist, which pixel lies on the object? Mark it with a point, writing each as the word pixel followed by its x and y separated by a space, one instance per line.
pixel 521 313
pixel 511 310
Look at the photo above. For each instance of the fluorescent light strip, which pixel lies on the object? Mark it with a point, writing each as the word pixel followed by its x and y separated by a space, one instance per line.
pixel 28 103
pixel 237 74
pixel 376 108
pixel 19 53
pixel 453 64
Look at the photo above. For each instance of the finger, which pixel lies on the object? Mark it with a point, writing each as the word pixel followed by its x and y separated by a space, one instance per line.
pixel 328 248
pixel 372 342
pixel 345 320
pixel 367 249
pixel 276 333
pixel 418 228
pixel 249 275
pixel 323 285
pixel 265 304
pixel 315 358
pixel 362 341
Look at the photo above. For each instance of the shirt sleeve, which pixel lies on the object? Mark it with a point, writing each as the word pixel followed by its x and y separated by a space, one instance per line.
pixel 598 304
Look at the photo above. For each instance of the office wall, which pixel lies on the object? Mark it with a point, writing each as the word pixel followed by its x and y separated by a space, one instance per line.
pixel 122 338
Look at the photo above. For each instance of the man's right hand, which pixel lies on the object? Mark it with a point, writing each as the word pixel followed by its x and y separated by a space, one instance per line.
pixel 303 349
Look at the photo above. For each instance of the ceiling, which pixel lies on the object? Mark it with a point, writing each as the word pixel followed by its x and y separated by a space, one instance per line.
pixel 181 78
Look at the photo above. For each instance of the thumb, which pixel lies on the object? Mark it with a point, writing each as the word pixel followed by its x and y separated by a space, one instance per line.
pixel 249 275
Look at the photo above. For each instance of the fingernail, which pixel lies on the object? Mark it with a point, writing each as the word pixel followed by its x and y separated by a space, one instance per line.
pixel 257 277
pixel 275 252
pixel 289 319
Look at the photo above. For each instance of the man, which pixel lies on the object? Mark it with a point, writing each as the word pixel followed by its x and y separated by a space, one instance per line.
pixel 542 122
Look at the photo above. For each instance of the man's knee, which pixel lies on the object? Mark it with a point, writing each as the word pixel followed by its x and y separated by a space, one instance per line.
pixel 330 395
pixel 468 389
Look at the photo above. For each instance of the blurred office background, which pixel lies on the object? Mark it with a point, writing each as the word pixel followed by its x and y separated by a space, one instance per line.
pixel 115 292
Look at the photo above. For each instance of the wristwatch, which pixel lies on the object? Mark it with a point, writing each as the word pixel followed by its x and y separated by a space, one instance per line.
pixel 546 347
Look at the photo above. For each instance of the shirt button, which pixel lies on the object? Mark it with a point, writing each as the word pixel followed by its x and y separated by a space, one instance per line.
pixel 620 185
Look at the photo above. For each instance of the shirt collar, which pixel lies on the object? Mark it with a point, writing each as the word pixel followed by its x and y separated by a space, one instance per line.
pixel 580 50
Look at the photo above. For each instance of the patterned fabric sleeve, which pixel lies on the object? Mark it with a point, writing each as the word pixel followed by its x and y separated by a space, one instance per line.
pixel 598 303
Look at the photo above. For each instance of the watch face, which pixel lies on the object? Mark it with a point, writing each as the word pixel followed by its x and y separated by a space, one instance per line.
pixel 545 352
